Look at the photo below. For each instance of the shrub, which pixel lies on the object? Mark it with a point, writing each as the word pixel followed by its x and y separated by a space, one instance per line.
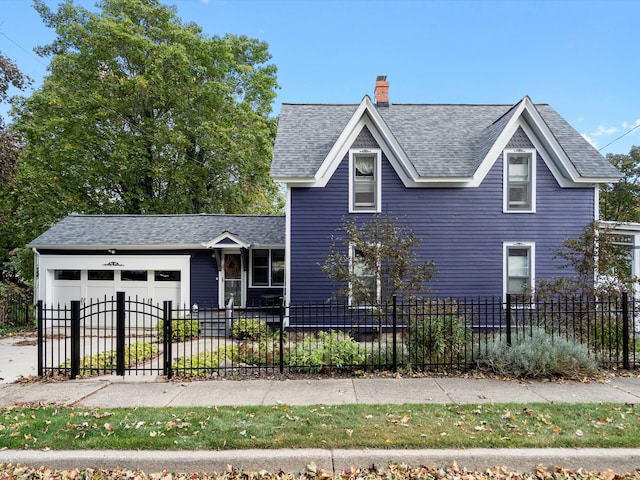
pixel 325 351
pixel 258 353
pixel 181 329
pixel 249 329
pixel 204 363
pixel 605 334
pixel 379 356
pixel 134 353
pixel 431 338
pixel 537 355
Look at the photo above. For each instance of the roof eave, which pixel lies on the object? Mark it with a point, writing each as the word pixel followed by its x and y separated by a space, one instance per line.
pixel 43 246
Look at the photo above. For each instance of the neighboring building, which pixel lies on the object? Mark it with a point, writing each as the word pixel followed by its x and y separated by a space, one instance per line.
pixel 491 190
pixel 189 259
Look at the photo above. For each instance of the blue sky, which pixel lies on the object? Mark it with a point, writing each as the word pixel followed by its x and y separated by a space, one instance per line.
pixel 580 56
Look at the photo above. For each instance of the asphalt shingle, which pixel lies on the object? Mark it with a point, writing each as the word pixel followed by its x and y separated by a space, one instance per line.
pixel 177 231
pixel 439 140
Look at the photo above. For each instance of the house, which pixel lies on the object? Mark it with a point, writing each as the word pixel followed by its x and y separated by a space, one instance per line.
pixel 491 190
pixel 188 259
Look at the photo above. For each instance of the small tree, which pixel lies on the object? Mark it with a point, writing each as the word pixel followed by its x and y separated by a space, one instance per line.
pixel 620 201
pixel 375 260
pixel 601 263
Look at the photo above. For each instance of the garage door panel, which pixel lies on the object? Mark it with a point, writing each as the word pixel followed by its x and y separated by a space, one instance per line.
pixel 167 291
pixel 99 292
pixel 65 293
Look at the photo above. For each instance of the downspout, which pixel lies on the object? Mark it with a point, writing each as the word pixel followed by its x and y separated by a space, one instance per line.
pixel 36 275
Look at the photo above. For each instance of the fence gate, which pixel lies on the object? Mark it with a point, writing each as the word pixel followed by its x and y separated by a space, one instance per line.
pixel 104 337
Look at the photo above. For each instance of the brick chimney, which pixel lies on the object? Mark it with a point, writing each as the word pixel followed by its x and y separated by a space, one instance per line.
pixel 381 91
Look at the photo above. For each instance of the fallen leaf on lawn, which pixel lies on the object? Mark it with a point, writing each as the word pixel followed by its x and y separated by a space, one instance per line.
pixel 579 433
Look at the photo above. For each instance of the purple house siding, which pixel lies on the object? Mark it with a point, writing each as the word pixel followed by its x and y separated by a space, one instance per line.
pixel 462 229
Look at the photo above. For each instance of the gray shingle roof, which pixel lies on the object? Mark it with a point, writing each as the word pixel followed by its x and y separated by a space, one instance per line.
pixel 439 140
pixel 154 231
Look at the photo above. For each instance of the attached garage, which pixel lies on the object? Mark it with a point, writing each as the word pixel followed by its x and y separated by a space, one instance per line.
pixel 87 277
pixel 188 259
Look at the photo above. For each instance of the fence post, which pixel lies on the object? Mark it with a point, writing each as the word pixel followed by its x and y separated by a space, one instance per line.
pixel 281 359
pixel 394 322
pixel 625 330
pixel 508 319
pixel 120 328
pixel 167 337
pixel 75 339
pixel 40 339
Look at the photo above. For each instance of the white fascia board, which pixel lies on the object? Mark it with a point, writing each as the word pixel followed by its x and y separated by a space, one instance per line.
pixel 296 181
pixel 118 247
pixel 630 227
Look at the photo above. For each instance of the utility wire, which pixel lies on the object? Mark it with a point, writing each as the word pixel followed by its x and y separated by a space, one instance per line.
pixel 623 135
pixel 24 49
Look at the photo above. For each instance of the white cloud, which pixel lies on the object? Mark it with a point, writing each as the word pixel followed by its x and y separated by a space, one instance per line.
pixel 593 143
pixel 602 130
pixel 627 125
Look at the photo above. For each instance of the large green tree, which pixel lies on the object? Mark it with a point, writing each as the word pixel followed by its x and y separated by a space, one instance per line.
pixel 620 201
pixel 10 76
pixel 142 113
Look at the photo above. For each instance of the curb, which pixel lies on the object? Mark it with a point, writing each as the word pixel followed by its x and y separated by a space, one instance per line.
pixel 619 460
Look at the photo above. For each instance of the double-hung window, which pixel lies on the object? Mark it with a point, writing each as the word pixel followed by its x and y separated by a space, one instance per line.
pixel 267 267
pixel 519 181
pixel 519 268
pixel 364 179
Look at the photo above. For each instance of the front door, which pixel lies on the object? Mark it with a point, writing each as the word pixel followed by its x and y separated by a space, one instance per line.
pixel 232 279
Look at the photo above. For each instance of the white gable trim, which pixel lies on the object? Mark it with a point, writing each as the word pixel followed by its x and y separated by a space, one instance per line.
pixel 219 241
pixel 528 117
pixel 365 115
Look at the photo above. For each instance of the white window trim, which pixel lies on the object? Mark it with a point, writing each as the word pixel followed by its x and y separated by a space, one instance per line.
pixel 505 264
pixel 270 271
pixel 350 302
pixel 505 180
pixel 353 153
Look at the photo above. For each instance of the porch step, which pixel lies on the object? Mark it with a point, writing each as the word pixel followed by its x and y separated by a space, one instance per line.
pixel 213 328
pixel 212 323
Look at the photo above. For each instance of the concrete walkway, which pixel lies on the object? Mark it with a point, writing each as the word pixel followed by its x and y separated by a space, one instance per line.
pixel 135 391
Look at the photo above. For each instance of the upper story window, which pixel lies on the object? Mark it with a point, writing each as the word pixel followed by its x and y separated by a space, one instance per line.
pixel 267 267
pixel 364 180
pixel 519 181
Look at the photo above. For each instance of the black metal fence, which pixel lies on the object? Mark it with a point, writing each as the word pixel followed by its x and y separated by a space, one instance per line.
pixel 16 312
pixel 429 335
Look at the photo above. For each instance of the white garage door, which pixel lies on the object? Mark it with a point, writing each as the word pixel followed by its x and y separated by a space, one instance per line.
pixel 87 285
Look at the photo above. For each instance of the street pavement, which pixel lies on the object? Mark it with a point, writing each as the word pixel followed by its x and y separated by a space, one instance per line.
pixel 136 391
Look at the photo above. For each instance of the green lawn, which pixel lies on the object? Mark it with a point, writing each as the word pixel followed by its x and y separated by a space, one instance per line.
pixel 343 426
